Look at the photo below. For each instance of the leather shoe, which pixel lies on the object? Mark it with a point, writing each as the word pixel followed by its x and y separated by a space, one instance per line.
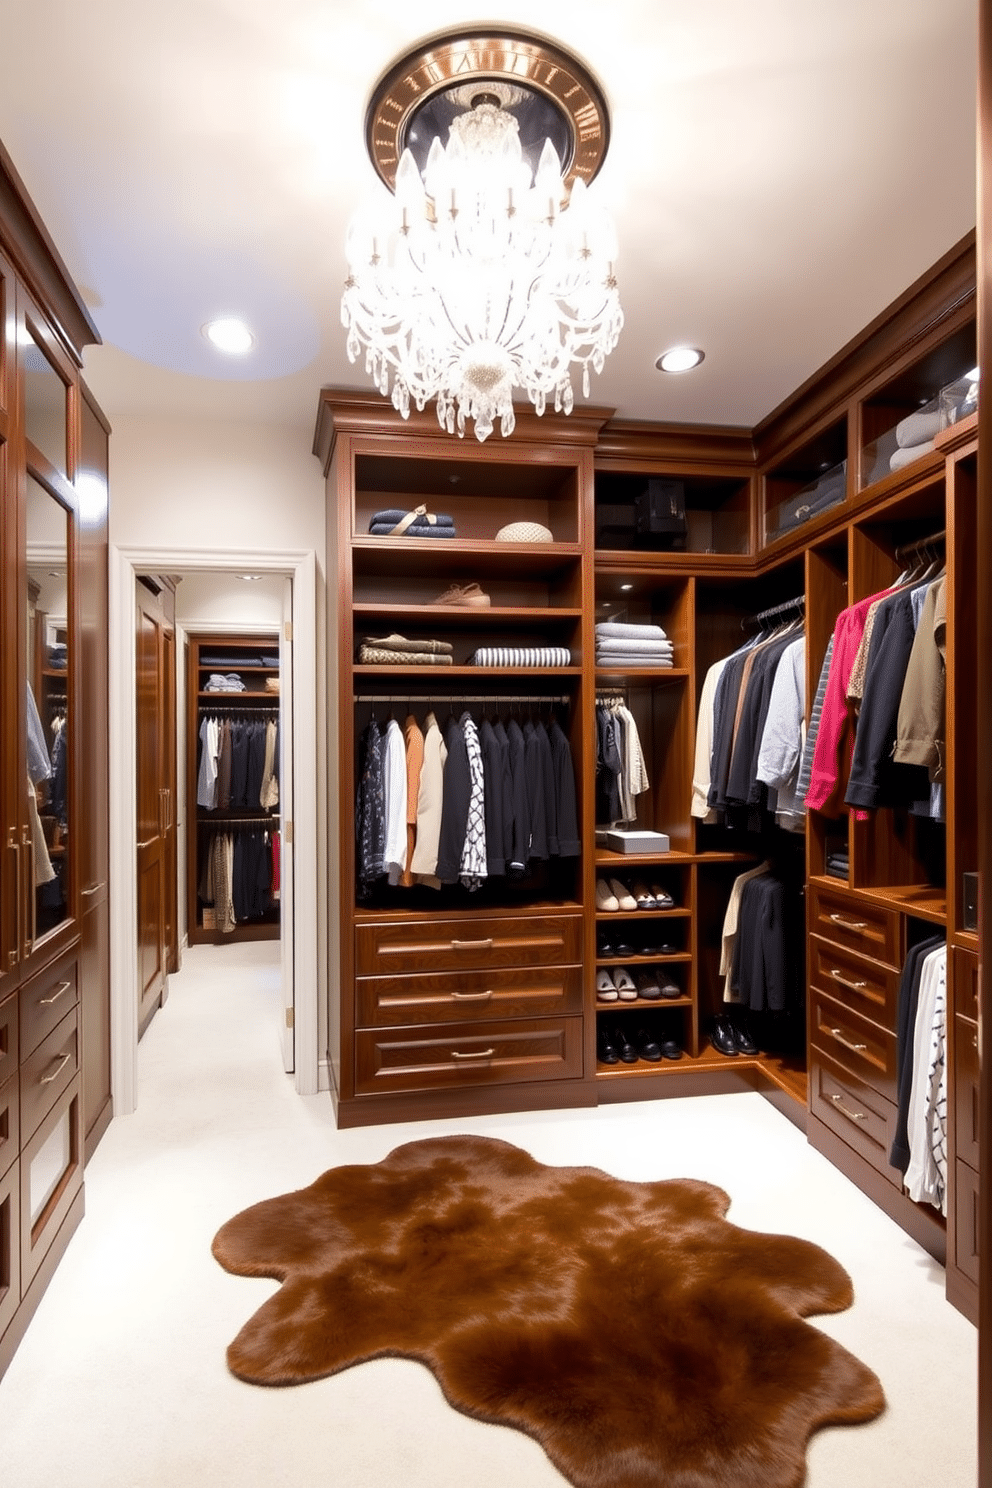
pixel 662 898
pixel 647 985
pixel 625 985
pixel 605 1049
pixel 671 1049
pixel 669 988
pixel 606 900
pixel 606 988
pixel 647 1045
pixel 743 1039
pixel 621 1042
pixel 723 1037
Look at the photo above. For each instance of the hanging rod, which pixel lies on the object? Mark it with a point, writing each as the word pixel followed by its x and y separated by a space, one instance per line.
pixel 798 604
pixel 920 544
pixel 490 697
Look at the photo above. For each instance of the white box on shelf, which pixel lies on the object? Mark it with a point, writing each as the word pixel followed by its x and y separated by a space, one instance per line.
pixel 631 840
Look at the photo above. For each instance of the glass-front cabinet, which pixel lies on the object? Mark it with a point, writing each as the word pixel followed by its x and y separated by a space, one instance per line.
pixel 39 646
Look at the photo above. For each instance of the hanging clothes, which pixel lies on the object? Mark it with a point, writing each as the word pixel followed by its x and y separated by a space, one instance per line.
pixel 919 1147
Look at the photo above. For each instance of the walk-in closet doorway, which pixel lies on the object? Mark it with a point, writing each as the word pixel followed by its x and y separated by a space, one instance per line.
pixel 289 610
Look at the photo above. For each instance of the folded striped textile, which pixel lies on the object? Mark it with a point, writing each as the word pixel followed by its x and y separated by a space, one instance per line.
pixel 384 529
pixel 629 643
pixel 422 518
pixel 379 654
pixel 521 656
pixel 400 643
pixel 621 629
pixel 632 659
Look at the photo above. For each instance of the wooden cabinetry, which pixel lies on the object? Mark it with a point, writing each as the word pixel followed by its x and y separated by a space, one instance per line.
pixel 233 714
pixel 54 999
pixel 432 1011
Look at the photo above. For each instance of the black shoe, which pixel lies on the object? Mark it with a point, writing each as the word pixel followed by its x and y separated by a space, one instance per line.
pixel 621 1042
pixel 603 947
pixel 723 1037
pixel 605 1050
pixel 743 1039
pixel 647 1045
pixel 623 949
pixel 671 1049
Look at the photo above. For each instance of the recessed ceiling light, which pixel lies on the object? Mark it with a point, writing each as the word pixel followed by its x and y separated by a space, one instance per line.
pixel 229 335
pixel 249 578
pixel 680 359
pixel 625 587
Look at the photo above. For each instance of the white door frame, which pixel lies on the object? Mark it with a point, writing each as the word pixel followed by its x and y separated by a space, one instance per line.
pixel 125 563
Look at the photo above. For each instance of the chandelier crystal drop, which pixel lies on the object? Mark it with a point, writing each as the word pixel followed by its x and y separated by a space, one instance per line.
pixel 481 278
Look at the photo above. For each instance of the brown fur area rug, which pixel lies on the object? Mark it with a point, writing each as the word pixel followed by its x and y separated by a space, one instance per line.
pixel 629 1328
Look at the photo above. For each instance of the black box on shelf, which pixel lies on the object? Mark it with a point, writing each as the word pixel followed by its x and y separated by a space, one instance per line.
pixel 659 513
pixel 970 900
pixel 615 524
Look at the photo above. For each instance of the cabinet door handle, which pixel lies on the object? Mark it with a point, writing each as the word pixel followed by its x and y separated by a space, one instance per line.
pixel 47 1079
pixel 60 991
pixel 473 996
pixel 14 847
pixel 846 1110
pixel 846 924
pixel 94 888
pixel 147 843
pixel 472 945
pixel 854 986
pixel 855 1048
pixel 28 847
pixel 476 1054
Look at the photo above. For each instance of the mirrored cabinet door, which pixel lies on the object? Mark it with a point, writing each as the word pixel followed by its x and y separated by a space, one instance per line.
pixel 47 711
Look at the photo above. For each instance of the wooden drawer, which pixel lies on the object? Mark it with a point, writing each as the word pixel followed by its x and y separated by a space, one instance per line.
pixel 965 964
pixel 503 1053
pixel 856 923
pixel 47 1072
pixel 441 996
pixel 51 1170
pixel 10 1246
pixel 45 1000
pixel 967 1217
pixel 861 1047
pixel 10 1125
pixel 867 986
pixel 857 1114
pixel 458 944
pixel 8 1038
pixel 966 1104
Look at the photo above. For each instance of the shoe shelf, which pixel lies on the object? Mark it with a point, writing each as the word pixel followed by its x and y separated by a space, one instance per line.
pixel 451 558
pixel 504 675
pixel 605 858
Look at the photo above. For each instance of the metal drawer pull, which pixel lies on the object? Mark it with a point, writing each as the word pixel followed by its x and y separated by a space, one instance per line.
pixel 47 1079
pixel 472 945
pixel 95 889
pixel 473 996
pixel 849 924
pixel 856 1048
pixel 854 986
pixel 147 842
pixel 60 991
pixel 478 1054
pixel 846 1111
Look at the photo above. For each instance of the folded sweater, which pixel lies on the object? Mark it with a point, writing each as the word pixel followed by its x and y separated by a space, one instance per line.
pixel 629 643
pixel 619 629
pixel 521 656
pixel 387 529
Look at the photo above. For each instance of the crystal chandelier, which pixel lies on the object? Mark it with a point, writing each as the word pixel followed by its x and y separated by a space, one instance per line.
pixel 481 274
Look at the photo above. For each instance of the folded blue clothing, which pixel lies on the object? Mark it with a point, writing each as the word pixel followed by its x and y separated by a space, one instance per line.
pixel 425 519
pixel 385 529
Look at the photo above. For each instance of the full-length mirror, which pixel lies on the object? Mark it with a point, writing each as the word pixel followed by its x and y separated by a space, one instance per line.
pixel 47 710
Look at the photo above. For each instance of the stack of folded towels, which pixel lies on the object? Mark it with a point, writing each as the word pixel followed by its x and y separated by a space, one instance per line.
pixel 225 682
pixel 417 523
pixel 915 436
pixel 521 656
pixel 625 645
pixel 397 650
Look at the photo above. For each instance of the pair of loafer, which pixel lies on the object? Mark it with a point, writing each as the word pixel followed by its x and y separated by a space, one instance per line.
pixel 612 896
pixel 610 948
pixel 615 984
pixel 652 986
pixel 732 1038
pixel 654 897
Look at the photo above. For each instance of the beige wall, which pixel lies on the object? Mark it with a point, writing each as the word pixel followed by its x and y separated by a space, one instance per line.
pixel 226 487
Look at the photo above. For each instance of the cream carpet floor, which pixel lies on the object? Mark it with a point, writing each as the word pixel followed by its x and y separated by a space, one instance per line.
pixel 121 1378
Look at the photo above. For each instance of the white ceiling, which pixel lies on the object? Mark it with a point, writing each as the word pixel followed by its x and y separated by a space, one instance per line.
pixel 779 171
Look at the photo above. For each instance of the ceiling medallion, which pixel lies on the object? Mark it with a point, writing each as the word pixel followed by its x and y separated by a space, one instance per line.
pixel 490 269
